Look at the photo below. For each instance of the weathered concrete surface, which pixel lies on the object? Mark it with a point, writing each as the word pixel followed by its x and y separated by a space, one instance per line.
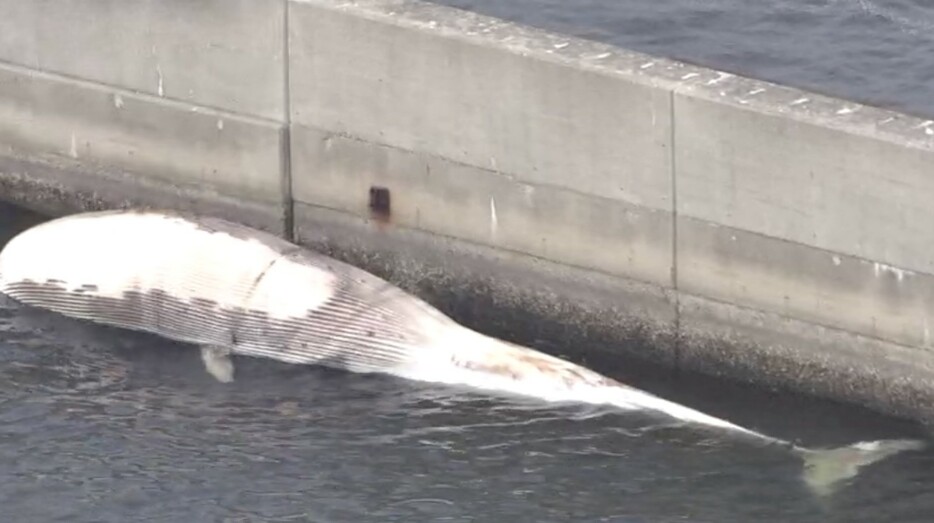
pixel 807 207
pixel 482 206
pixel 109 135
pixel 225 54
pixel 799 281
pixel 55 187
pixel 778 167
pixel 774 350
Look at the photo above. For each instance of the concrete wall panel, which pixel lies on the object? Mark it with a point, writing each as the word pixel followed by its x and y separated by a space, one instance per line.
pixel 385 74
pixel 783 172
pixel 47 116
pixel 799 281
pixel 481 206
pixel 227 54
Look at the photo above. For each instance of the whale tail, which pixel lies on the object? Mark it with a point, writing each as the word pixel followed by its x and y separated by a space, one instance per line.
pixel 826 470
pixel 526 371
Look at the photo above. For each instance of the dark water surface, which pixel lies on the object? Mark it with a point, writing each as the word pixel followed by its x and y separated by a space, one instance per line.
pixel 879 52
pixel 98 424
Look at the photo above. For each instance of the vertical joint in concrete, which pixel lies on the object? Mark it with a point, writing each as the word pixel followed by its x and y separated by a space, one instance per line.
pixel 674 228
pixel 288 202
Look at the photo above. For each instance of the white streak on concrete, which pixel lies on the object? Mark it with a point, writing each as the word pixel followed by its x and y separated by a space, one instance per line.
pixel 160 88
pixel 529 192
pixel 900 274
pixel 800 101
pixel 118 101
pixel 647 65
pixel 73 149
pixel 494 221
pixel 220 124
pixel 720 77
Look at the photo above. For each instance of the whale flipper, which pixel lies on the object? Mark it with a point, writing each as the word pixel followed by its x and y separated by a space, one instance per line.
pixel 217 362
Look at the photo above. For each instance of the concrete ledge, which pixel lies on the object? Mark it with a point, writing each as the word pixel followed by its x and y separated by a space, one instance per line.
pixel 43 114
pixel 56 187
pixel 85 128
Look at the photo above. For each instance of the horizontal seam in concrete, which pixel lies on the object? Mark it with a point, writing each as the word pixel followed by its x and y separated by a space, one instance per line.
pixel 817 324
pixel 101 171
pixel 509 176
pixel 141 95
pixel 663 290
pixel 822 250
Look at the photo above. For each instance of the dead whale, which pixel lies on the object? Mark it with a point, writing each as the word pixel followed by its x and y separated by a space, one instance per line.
pixel 234 290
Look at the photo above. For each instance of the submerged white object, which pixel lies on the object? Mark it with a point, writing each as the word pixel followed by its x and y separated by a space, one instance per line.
pixel 235 290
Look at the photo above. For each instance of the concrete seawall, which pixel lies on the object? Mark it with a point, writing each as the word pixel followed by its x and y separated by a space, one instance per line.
pixel 560 191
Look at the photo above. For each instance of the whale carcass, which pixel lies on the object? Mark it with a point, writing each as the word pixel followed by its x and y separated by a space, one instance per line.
pixel 234 290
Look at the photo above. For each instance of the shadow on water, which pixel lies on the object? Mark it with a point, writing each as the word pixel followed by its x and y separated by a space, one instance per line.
pixel 99 424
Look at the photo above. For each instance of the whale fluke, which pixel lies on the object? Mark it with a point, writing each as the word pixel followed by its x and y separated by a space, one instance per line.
pixel 826 470
pixel 233 290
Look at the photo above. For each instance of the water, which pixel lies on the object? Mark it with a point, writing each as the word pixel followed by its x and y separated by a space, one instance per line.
pixel 879 52
pixel 98 424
